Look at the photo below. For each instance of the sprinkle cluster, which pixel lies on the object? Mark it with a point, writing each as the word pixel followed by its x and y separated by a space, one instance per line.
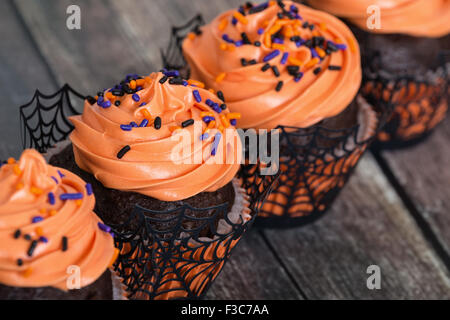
pixel 286 30
pixel 133 84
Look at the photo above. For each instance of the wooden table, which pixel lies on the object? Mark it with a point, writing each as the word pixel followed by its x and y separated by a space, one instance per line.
pixel 394 212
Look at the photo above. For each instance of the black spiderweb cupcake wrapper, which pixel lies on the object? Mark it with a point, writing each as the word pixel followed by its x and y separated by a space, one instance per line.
pixel 419 103
pixel 315 162
pixel 175 254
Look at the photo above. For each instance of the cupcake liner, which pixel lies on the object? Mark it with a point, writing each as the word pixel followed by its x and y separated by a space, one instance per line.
pixel 315 167
pixel 420 102
pixel 157 262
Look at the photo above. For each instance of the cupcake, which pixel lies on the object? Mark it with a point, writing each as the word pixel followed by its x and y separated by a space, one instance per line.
pixel 404 57
pixel 53 245
pixel 282 64
pixel 161 154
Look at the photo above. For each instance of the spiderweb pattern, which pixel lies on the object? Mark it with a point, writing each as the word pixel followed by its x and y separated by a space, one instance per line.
pixel 175 254
pixel 315 163
pixel 419 104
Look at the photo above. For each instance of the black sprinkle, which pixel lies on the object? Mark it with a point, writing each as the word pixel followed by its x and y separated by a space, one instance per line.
pixel 305 25
pixel 223 106
pixel 331 46
pixel 293 70
pixel 91 100
pixel 64 243
pixel 256 9
pixel 275 70
pixel 252 62
pixel 129 90
pixel 317 70
pixel 295 38
pixel 177 81
pixel 163 79
pixel 257 44
pixel 265 67
pixel 245 38
pixel 248 5
pixel 187 123
pixel 19 262
pixel 280 4
pixel 220 95
pixel 311 27
pixel 279 86
pixel 244 62
pixel 100 93
pixel 117 93
pixel 280 15
pixel 157 123
pixel 17 234
pixel 32 247
pixel 123 151
pixel 27 237
pixel 334 68
pixel 117 103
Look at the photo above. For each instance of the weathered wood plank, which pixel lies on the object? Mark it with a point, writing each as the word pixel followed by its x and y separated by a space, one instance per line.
pixel 22 70
pixel 252 273
pixel 96 57
pixel 424 172
pixel 368 225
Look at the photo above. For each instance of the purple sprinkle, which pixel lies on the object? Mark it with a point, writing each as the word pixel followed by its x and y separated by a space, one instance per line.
pixel 233 122
pixel 126 127
pixel 284 58
pixel 216 143
pixel 51 198
pixel 234 21
pixel 143 104
pixel 144 123
pixel 54 179
pixel 43 239
pixel 298 77
pixel 100 100
pixel 112 234
pixel 278 40
pixel 271 55
pixel 300 42
pixel 105 104
pixel 37 219
pixel 185 83
pixel 216 108
pixel 133 124
pixel 172 73
pixel 260 31
pixel 61 174
pixel 204 136
pixel 71 196
pixel 208 119
pixel 239 43
pixel 298 17
pixel 139 88
pixel 136 97
pixel 104 227
pixel 197 96
pixel 89 189
pixel 340 46
pixel 227 38
pixel 209 102
pixel 314 53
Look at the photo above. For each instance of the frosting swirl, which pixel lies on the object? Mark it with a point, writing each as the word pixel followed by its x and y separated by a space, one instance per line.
pixel 130 138
pixel 251 57
pixel 423 18
pixel 41 233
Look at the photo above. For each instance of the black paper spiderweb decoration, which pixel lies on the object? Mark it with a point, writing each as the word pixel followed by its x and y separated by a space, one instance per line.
pixel 419 104
pixel 173 254
pixel 315 162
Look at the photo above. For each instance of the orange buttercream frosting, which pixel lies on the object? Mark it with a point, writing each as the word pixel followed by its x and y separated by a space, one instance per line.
pixel 43 234
pixel 296 87
pixel 129 136
pixel 423 18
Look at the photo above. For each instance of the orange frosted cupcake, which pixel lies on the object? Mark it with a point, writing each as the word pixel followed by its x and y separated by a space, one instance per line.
pixel 53 245
pixel 285 65
pixel 405 45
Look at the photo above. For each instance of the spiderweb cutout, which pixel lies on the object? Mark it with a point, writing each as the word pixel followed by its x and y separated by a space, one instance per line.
pixel 173 254
pixel 315 163
pixel 419 104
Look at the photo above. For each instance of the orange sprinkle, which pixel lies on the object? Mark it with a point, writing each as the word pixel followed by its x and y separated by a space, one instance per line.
pixel 278 46
pixel 43 211
pixel 320 52
pixel 146 114
pixel 233 115
pixel 191 35
pixel 20 186
pixel 206 114
pixel 132 84
pixel 27 273
pixel 212 125
pixel 288 31
pixel 174 128
pixel 206 130
pixel 225 121
pixel 223 24
pixel 295 61
pixel 267 40
pixel 36 191
pixel 114 257
pixel 220 128
pixel 79 202
pixel 39 231
pixel 338 41
pixel 221 76
pixel 312 62
pixel 272 3
pixel 223 46
pixel 212 90
pixel 274 28
pixel 351 44
pixel 53 212
pixel 323 26
pixel 17 170
pixel 140 82
pixel 11 161
pixel 231 48
pixel 109 96
pixel 196 83
pixel 240 17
